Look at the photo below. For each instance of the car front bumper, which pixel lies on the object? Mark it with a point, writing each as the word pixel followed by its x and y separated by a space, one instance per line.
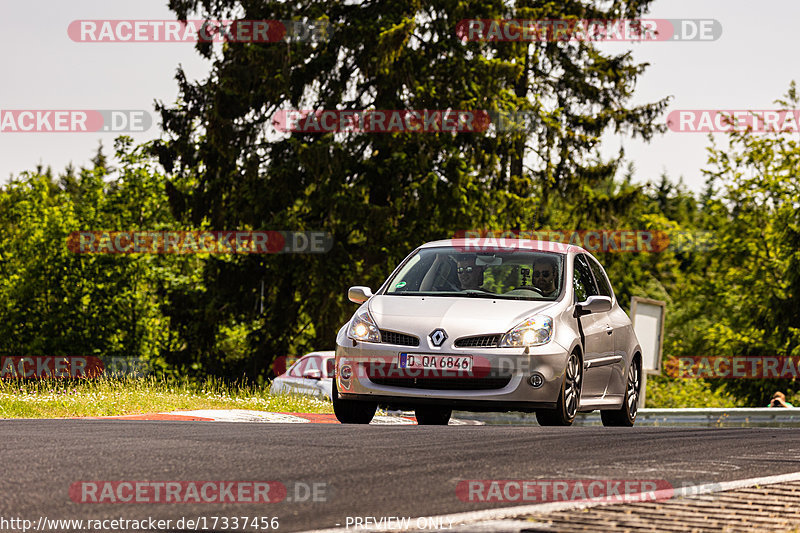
pixel 500 381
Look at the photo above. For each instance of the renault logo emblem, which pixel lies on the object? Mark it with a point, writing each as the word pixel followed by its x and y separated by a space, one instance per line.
pixel 438 336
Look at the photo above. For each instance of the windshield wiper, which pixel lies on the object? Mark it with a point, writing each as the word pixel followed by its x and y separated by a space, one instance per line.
pixel 479 294
pixel 471 293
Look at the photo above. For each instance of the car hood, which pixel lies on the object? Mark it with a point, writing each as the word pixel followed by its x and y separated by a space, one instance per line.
pixel 458 316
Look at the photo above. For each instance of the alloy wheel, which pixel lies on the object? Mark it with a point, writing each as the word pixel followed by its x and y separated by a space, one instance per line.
pixel 572 387
pixel 633 389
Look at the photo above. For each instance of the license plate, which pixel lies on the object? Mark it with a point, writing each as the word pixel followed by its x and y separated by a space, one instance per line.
pixel 423 361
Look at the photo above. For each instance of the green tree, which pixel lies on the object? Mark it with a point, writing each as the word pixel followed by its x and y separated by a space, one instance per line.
pixel 56 302
pixel 380 195
pixel 751 285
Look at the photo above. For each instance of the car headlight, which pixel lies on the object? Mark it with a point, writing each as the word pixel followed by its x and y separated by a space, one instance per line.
pixel 363 328
pixel 533 331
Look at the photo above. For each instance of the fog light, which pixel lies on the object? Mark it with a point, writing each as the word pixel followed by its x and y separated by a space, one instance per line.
pixel 536 380
pixel 346 372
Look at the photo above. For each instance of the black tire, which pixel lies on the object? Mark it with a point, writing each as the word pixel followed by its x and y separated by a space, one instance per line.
pixel 352 411
pixel 568 399
pixel 433 416
pixel 625 416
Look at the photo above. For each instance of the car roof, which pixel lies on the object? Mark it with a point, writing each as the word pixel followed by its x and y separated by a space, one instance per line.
pixel 324 353
pixel 481 244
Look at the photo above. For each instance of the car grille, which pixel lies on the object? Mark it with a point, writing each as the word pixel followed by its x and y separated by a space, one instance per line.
pixel 445 383
pixel 483 341
pixel 401 339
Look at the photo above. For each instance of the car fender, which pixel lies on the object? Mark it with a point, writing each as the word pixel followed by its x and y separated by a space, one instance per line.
pixel 631 347
pixel 566 332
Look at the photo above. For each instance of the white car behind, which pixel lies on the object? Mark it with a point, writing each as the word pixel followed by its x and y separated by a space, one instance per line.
pixel 312 375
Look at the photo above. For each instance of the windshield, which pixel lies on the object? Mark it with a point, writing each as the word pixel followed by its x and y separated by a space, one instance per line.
pixel 448 271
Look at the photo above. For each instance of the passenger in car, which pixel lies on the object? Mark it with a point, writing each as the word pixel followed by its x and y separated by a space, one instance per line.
pixel 470 275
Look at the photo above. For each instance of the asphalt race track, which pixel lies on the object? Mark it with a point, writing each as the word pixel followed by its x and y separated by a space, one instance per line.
pixel 370 471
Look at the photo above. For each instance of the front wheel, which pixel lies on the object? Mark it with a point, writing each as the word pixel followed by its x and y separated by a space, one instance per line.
pixel 352 411
pixel 568 399
pixel 433 416
pixel 626 415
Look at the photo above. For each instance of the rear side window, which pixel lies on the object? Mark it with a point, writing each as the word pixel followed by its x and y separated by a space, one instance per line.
pixel 314 363
pixel 602 281
pixel 297 369
pixel 582 280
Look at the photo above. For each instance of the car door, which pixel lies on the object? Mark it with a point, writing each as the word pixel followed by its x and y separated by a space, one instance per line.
pixel 295 382
pixel 598 344
pixel 313 386
pixel 617 324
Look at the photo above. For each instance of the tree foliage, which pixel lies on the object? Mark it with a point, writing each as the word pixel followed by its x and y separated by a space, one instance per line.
pixel 221 166
pixel 381 195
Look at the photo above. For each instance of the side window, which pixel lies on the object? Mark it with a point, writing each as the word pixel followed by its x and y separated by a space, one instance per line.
pixel 582 279
pixel 602 281
pixel 330 367
pixel 313 363
pixel 297 368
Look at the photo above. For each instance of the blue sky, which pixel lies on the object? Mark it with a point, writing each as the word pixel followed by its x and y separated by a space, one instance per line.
pixel 747 68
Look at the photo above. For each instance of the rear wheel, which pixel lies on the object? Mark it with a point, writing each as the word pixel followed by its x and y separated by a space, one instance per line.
pixel 352 411
pixel 626 415
pixel 568 399
pixel 433 416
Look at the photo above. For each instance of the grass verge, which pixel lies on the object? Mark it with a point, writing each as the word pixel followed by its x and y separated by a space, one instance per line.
pixel 56 398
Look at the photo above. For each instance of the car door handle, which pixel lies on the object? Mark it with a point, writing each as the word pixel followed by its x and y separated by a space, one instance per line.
pixel 609 330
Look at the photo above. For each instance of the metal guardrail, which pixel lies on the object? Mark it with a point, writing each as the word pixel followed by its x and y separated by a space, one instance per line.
pixel 715 417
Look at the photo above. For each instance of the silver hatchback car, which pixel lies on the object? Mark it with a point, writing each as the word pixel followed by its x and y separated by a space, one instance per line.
pixel 476 325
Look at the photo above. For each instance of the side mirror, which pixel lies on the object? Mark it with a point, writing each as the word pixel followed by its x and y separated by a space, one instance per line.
pixel 359 295
pixel 312 374
pixel 593 304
